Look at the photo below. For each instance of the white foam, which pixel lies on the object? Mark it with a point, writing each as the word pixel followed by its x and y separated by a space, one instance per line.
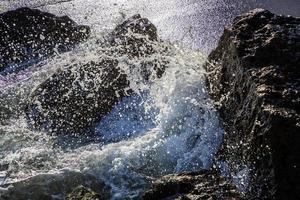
pixel 169 126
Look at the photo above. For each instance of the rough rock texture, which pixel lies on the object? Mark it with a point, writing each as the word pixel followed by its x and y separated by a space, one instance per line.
pixel 63 104
pixel 255 82
pixel 27 34
pixel 76 97
pixel 136 38
pixel 122 36
pixel 83 193
pixel 192 186
pixel 54 186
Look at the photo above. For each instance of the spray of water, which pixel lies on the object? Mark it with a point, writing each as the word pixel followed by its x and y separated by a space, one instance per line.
pixel 167 126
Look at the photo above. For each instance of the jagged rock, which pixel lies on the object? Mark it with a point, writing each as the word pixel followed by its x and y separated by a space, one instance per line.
pixel 54 186
pixel 134 37
pixel 83 193
pixel 123 36
pixel 76 97
pixel 192 186
pixel 255 82
pixel 29 34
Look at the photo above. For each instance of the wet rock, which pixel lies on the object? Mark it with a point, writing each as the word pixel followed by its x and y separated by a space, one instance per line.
pixel 255 82
pixel 29 35
pixel 192 186
pixel 71 102
pixel 74 98
pixel 126 37
pixel 54 186
pixel 83 193
pixel 136 37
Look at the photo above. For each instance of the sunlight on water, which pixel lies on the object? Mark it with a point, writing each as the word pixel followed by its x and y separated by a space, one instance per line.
pixel 169 126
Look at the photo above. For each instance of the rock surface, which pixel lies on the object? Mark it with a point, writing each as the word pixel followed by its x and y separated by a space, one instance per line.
pixel 255 82
pixel 28 34
pixel 83 193
pixel 76 97
pixel 54 186
pixel 130 44
pixel 192 186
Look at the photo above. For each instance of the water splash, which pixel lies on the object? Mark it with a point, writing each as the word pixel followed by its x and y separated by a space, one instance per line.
pixel 168 126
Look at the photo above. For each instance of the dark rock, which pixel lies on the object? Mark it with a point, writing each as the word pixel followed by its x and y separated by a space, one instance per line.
pixel 75 98
pixel 28 34
pixel 83 193
pixel 126 35
pixel 255 82
pixel 200 185
pixel 136 37
pixel 54 186
pixel 63 104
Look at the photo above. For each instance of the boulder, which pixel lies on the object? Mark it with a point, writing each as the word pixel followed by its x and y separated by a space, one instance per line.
pixel 136 37
pixel 255 81
pixel 192 186
pixel 55 186
pixel 76 97
pixel 29 35
pixel 125 35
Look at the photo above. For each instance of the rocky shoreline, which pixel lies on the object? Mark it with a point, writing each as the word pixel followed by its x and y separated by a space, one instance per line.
pixel 253 77
pixel 78 96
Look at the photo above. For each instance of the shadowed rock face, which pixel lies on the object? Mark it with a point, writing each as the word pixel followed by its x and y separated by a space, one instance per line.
pixel 27 34
pixel 71 101
pixel 76 97
pixel 255 82
pixel 200 185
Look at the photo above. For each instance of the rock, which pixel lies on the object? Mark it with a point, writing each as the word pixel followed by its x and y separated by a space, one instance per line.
pixel 29 34
pixel 255 82
pixel 136 38
pixel 73 99
pixel 192 186
pixel 83 193
pixel 63 104
pixel 54 186
pixel 126 34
